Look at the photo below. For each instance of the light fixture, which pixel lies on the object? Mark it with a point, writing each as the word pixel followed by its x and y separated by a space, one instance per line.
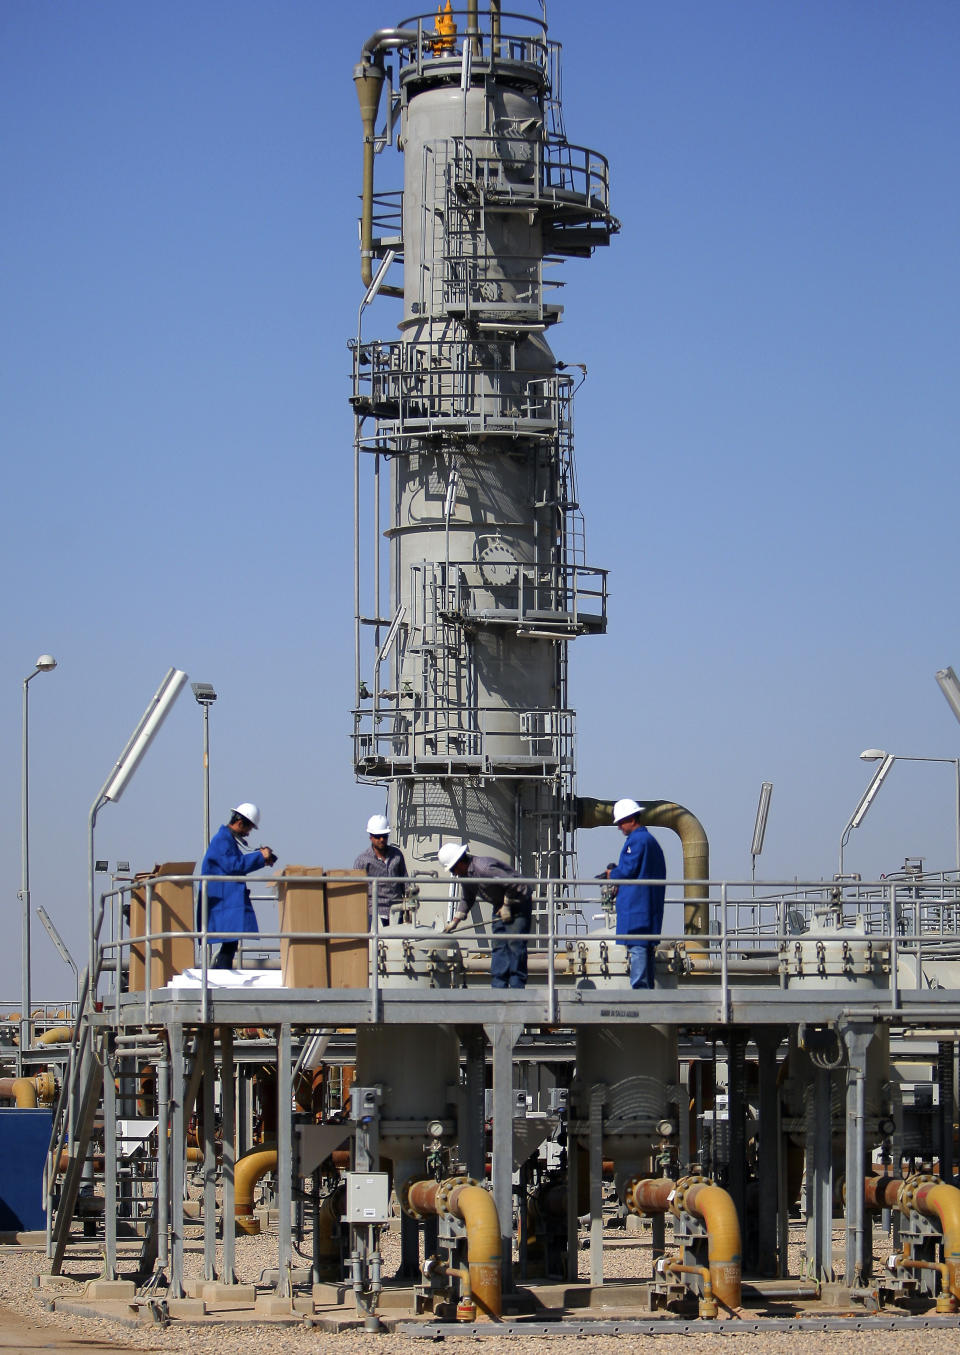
pixel 204 693
pixel 873 754
pixel 143 735
pixel 950 686
pixel 760 826
pixel 47 661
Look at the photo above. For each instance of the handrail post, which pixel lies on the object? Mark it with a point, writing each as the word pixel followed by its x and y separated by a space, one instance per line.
pixel 894 951
pixel 373 951
pixel 148 951
pixel 551 935
pixel 724 972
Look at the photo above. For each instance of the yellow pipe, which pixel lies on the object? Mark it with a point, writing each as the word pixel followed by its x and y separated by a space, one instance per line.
pixel 56 1035
pixel 247 1172
pixel 29 1092
pixel 714 1205
pixel 708 1304
pixel 693 840
pixel 943 1202
pixel 476 1208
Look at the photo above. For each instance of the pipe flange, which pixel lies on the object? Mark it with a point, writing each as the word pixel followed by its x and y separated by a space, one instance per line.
pixel 446 1188
pixel 678 1197
pixel 908 1191
pixel 403 1199
pixel 628 1189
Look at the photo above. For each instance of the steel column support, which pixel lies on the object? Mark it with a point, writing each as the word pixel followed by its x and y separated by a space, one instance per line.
pixel 858 1255
pixel 473 1146
pixel 737 1110
pixel 945 1067
pixel 503 1037
pixel 284 1159
pixel 163 1164
pixel 572 1257
pixel 178 1155
pixel 598 1095
pixel 110 1200
pixel 772 1258
pixel 228 1156
pixel 205 1050
pixel 819 1171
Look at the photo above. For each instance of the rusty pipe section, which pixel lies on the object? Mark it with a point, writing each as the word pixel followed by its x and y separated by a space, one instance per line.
pixel 657 1195
pixel 461 1198
pixel 693 840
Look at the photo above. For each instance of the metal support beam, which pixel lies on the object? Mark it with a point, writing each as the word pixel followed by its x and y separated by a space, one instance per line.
pixel 819 1171
pixel 472 1136
pixel 284 1159
pixel 205 1053
pixel 858 1255
pixel 503 1037
pixel 178 1155
pixel 598 1095
pixel 110 1200
pixel 771 1257
pixel 228 1156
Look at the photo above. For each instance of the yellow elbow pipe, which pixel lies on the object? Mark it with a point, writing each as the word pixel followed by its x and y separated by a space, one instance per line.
pixel 247 1172
pixel 476 1208
pixel 724 1256
pixel 56 1035
pixel 942 1202
pixel 29 1092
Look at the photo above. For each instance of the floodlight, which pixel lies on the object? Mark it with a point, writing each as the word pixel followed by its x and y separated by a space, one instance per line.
pixel 950 686
pixel 760 826
pixel 142 737
pixel 873 754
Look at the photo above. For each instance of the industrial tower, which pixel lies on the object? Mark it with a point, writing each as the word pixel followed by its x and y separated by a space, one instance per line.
pixel 471 580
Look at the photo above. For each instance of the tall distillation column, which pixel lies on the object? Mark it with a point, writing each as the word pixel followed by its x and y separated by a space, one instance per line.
pixel 478 580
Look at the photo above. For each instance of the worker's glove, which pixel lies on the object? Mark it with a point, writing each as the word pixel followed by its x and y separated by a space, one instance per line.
pixel 505 913
pixel 452 925
pixel 269 856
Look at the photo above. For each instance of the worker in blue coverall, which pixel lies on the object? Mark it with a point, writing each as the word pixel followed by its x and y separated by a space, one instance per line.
pixel 639 906
pixel 484 878
pixel 228 901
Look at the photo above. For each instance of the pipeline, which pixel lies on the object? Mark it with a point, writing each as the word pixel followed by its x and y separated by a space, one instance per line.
pixel 250 1167
pixel 56 1035
pixel 368 76
pixel 29 1092
pixel 711 1203
pixel 933 1198
pixel 461 1198
pixel 590 813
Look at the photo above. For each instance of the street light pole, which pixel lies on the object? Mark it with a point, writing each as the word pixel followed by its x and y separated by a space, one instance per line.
pixel 875 754
pixel 44 664
pixel 205 697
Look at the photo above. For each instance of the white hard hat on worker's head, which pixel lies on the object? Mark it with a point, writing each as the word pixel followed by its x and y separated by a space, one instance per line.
pixel 377 826
pixel 450 853
pixel 625 809
pixel 248 811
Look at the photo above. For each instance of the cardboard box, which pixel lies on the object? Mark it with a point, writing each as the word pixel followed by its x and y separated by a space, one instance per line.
pixel 315 904
pixel 171 910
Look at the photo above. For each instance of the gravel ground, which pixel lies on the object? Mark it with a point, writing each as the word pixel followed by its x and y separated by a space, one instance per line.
pixel 625 1256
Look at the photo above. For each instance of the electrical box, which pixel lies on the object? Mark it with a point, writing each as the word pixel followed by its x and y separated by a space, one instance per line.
pixel 368 1197
pixel 557 1100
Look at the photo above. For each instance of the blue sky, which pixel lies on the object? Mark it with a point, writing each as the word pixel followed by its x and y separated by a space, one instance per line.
pixel 766 442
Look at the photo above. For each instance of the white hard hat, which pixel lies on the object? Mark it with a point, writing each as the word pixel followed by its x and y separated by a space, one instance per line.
pixel 249 812
pixel 625 809
pixel 450 853
pixel 377 825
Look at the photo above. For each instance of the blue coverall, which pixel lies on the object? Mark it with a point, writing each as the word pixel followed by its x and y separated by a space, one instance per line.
pixel 228 901
pixel 640 906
